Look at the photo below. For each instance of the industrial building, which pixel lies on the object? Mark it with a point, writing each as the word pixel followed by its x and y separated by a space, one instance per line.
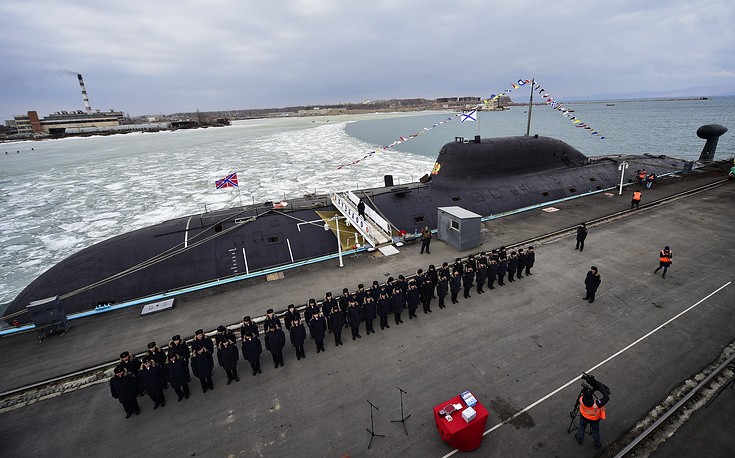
pixel 57 123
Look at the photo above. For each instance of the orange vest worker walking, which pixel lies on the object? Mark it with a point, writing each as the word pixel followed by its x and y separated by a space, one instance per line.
pixel 664 260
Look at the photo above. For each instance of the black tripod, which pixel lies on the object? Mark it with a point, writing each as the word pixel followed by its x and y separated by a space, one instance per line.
pixel 403 419
pixel 573 426
pixel 372 425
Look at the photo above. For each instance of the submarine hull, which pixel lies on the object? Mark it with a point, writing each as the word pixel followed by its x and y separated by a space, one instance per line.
pixel 488 177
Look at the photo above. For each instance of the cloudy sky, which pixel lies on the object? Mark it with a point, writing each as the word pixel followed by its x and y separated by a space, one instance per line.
pixel 149 57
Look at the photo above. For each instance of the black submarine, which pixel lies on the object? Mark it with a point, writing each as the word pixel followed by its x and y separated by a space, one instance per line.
pixel 486 176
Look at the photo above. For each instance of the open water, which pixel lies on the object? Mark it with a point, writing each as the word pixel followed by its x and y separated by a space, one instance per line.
pixel 59 196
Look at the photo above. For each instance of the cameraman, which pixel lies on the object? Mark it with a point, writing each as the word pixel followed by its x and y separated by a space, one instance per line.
pixel 592 410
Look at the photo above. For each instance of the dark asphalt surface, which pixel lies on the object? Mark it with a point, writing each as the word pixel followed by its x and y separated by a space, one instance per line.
pixel 518 348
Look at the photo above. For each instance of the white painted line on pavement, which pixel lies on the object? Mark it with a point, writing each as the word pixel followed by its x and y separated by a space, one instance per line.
pixel 576 379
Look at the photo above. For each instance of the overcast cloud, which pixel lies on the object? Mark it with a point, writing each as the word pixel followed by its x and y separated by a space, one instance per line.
pixel 149 57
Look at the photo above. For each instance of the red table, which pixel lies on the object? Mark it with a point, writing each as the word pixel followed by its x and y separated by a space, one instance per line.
pixel 458 433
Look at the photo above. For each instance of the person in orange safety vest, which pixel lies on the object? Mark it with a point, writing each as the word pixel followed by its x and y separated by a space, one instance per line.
pixel 664 258
pixel 592 411
pixel 641 177
pixel 636 201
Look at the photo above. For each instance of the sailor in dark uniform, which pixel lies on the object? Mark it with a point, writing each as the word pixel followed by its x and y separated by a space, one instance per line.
pixel 458 266
pixel 328 304
pixel 201 339
pixel 369 312
pixel 426 296
pixel 344 302
pixel 152 379
pixel 248 327
pixel 129 363
pixel 223 334
pixel 384 307
pixel 290 316
pixel 124 388
pixel 521 263
pixel 455 284
pixel 432 276
pixel 251 351
pixel 445 270
pixel 502 266
pixel 442 288
pixel 177 374
pixel 298 337
pixel 512 265
pixel 310 310
pixel 202 365
pixel 354 318
pixel 360 294
pixel 336 323
pixel 156 354
pixel 467 280
pixel 398 301
pixel 530 260
pixel 178 346
pixel 492 273
pixel 227 357
pixel 413 297
pixel 481 274
pixel 318 330
pixel 275 340
pixel 375 291
pixel 271 318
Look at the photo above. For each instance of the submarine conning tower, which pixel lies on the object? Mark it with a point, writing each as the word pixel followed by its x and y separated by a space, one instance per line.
pixel 711 133
pixel 466 162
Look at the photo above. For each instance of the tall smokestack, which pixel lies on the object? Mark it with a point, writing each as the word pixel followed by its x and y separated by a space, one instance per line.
pixel 84 94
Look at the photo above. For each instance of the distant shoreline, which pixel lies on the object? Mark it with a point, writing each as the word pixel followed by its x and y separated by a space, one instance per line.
pixel 587 102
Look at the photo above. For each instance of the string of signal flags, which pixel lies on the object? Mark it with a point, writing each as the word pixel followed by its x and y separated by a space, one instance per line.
pixel 471 115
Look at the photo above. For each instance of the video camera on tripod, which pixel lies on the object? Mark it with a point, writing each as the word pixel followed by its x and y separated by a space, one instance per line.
pixel 593 385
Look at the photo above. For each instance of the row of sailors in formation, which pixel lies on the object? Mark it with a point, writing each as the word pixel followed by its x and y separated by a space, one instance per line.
pixel 156 370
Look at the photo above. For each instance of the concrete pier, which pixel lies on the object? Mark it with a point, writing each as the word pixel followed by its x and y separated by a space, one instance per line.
pixel 520 348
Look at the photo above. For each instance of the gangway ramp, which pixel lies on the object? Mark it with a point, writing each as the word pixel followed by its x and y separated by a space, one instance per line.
pixel 373 227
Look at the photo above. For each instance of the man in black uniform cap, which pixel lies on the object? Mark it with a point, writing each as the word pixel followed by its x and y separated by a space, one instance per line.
pixel 124 388
pixel 467 280
pixel 275 340
pixel 177 374
pixel 129 363
pixel 455 284
pixel 178 346
pixel 223 334
pixel 156 354
pixel 336 323
pixel 318 330
pixel 530 260
pixel 369 312
pixel 152 379
pixel 328 305
pixel 271 318
pixel 200 339
pixel 413 297
pixel 227 357
pixel 310 310
pixel 298 337
pixel 290 316
pixel 248 327
pixel 251 351
pixel 384 308
pixel 442 289
pixel 202 365
pixel 354 317
pixel 492 272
